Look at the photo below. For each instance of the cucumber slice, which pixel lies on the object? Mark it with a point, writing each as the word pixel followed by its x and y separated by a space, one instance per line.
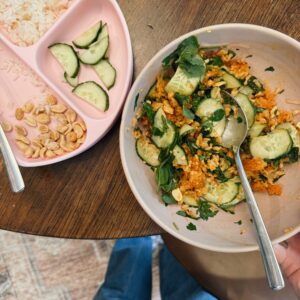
pixel 206 108
pixel 231 81
pixel 246 90
pixel 180 156
pixel 222 193
pixel 106 72
pixel 95 52
pixel 88 37
pixel 151 91
pixel 186 129
pixel 293 133
pixel 190 200
pixel 92 93
pixel 256 129
pixel 103 33
pixel 182 83
pixel 272 145
pixel 168 138
pixel 247 107
pixel 71 81
pixel 238 199
pixel 66 56
pixel 148 152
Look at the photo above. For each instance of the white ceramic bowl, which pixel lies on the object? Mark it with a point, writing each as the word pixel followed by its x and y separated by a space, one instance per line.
pixel 281 214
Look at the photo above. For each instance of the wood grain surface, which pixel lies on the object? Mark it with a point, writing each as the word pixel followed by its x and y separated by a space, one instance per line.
pixel 88 196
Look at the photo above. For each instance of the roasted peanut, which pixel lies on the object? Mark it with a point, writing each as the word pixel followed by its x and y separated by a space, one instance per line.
pixel 43 128
pixel 28 107
pixel 19 113
pixel 71 115
pixel 23 139
pixel 43 118
pixel 51 100
pixel 71 137
pixel 21 130
pixel 7 127
pixel 50 154
pixel 78 130
pixel 58 108
pixel 30 121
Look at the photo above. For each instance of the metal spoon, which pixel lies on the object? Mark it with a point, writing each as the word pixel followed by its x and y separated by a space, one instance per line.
pixel 233 136
pixel 13 171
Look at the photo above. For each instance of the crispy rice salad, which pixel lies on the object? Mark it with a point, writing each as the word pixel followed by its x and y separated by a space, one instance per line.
pixel 179 127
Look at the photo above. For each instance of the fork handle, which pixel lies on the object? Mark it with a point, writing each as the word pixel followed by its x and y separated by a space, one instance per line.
pixel 271 265
pixel 13 171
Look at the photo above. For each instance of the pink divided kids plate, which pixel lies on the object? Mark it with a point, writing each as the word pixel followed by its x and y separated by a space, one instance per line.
pixel 19 84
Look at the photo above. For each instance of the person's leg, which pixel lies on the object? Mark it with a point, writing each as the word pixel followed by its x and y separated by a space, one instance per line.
pixel 129 273
pixel 176 283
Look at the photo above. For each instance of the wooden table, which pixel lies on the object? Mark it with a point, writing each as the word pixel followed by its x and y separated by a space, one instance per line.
pixel 88 196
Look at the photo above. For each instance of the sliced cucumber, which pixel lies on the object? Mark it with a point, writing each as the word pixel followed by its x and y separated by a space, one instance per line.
pixel 246 90
pixel 247 107
pixel 293 133
pixel 231 81
pixel 190 200
pixel 95 52
pixel 272 145
pixel 103 33
pixel 182 83
pixel 169 133
pixel 92 93
pixel 180 156
pixel 256 129
pixel 205 110
pixel 71 81
pixel 67 57
pixel 239 198
pixel 88 37
pixel 186 129
pixel 148 152
pixel 151 91
pixel 106 72
pixel 222 193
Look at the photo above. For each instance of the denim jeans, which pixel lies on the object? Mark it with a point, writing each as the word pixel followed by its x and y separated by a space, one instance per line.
pixel 129 274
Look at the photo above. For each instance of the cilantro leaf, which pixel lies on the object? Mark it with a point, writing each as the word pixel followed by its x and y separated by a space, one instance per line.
pixel 238 222
pixel 188 113
pixel 191 226
pixel 181 99
pixel 147 108
pixel 205 211
pixel 136 101
pixel 181 213
pixel 216 61
pixel 293 154
pixel 269 69
pixel 168 199
pixel 218 115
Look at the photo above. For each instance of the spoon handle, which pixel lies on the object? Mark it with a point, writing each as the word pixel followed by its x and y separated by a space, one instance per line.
pixel 271 266
pixel 13 171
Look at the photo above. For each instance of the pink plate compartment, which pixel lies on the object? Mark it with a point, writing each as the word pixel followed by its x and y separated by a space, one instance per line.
pixel 20 85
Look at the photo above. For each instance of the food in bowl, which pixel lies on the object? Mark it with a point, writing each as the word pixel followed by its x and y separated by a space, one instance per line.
pixel 178 130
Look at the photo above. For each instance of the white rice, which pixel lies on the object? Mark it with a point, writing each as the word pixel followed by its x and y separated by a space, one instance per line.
pixel 25 21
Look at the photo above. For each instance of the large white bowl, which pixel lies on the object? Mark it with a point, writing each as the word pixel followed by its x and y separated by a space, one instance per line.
pixel 281 214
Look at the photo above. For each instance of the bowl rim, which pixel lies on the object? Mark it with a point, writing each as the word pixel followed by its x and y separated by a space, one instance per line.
pixel 236 249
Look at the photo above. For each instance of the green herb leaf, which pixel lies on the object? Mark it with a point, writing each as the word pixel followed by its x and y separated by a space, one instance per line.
pixel 218 115
pixel 157 132
pixel 231 53
pixel 280 92
pixel 168 199
pixel 181 213
pixel 191 42
pixel 220 175
pixel 191 226
pixel 238 222
pixel 248 56
pixel 191 144
pixel 270 69
pixel 147 108
pixel 259 109
pixel 202 157
pixel 216 61
pixel 205 210
pixel 188 113
pixel 255 85
pixel 239 120
pixel 181 99
pixel 196 99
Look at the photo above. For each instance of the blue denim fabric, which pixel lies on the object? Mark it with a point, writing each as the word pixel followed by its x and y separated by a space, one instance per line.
pixel 129 274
